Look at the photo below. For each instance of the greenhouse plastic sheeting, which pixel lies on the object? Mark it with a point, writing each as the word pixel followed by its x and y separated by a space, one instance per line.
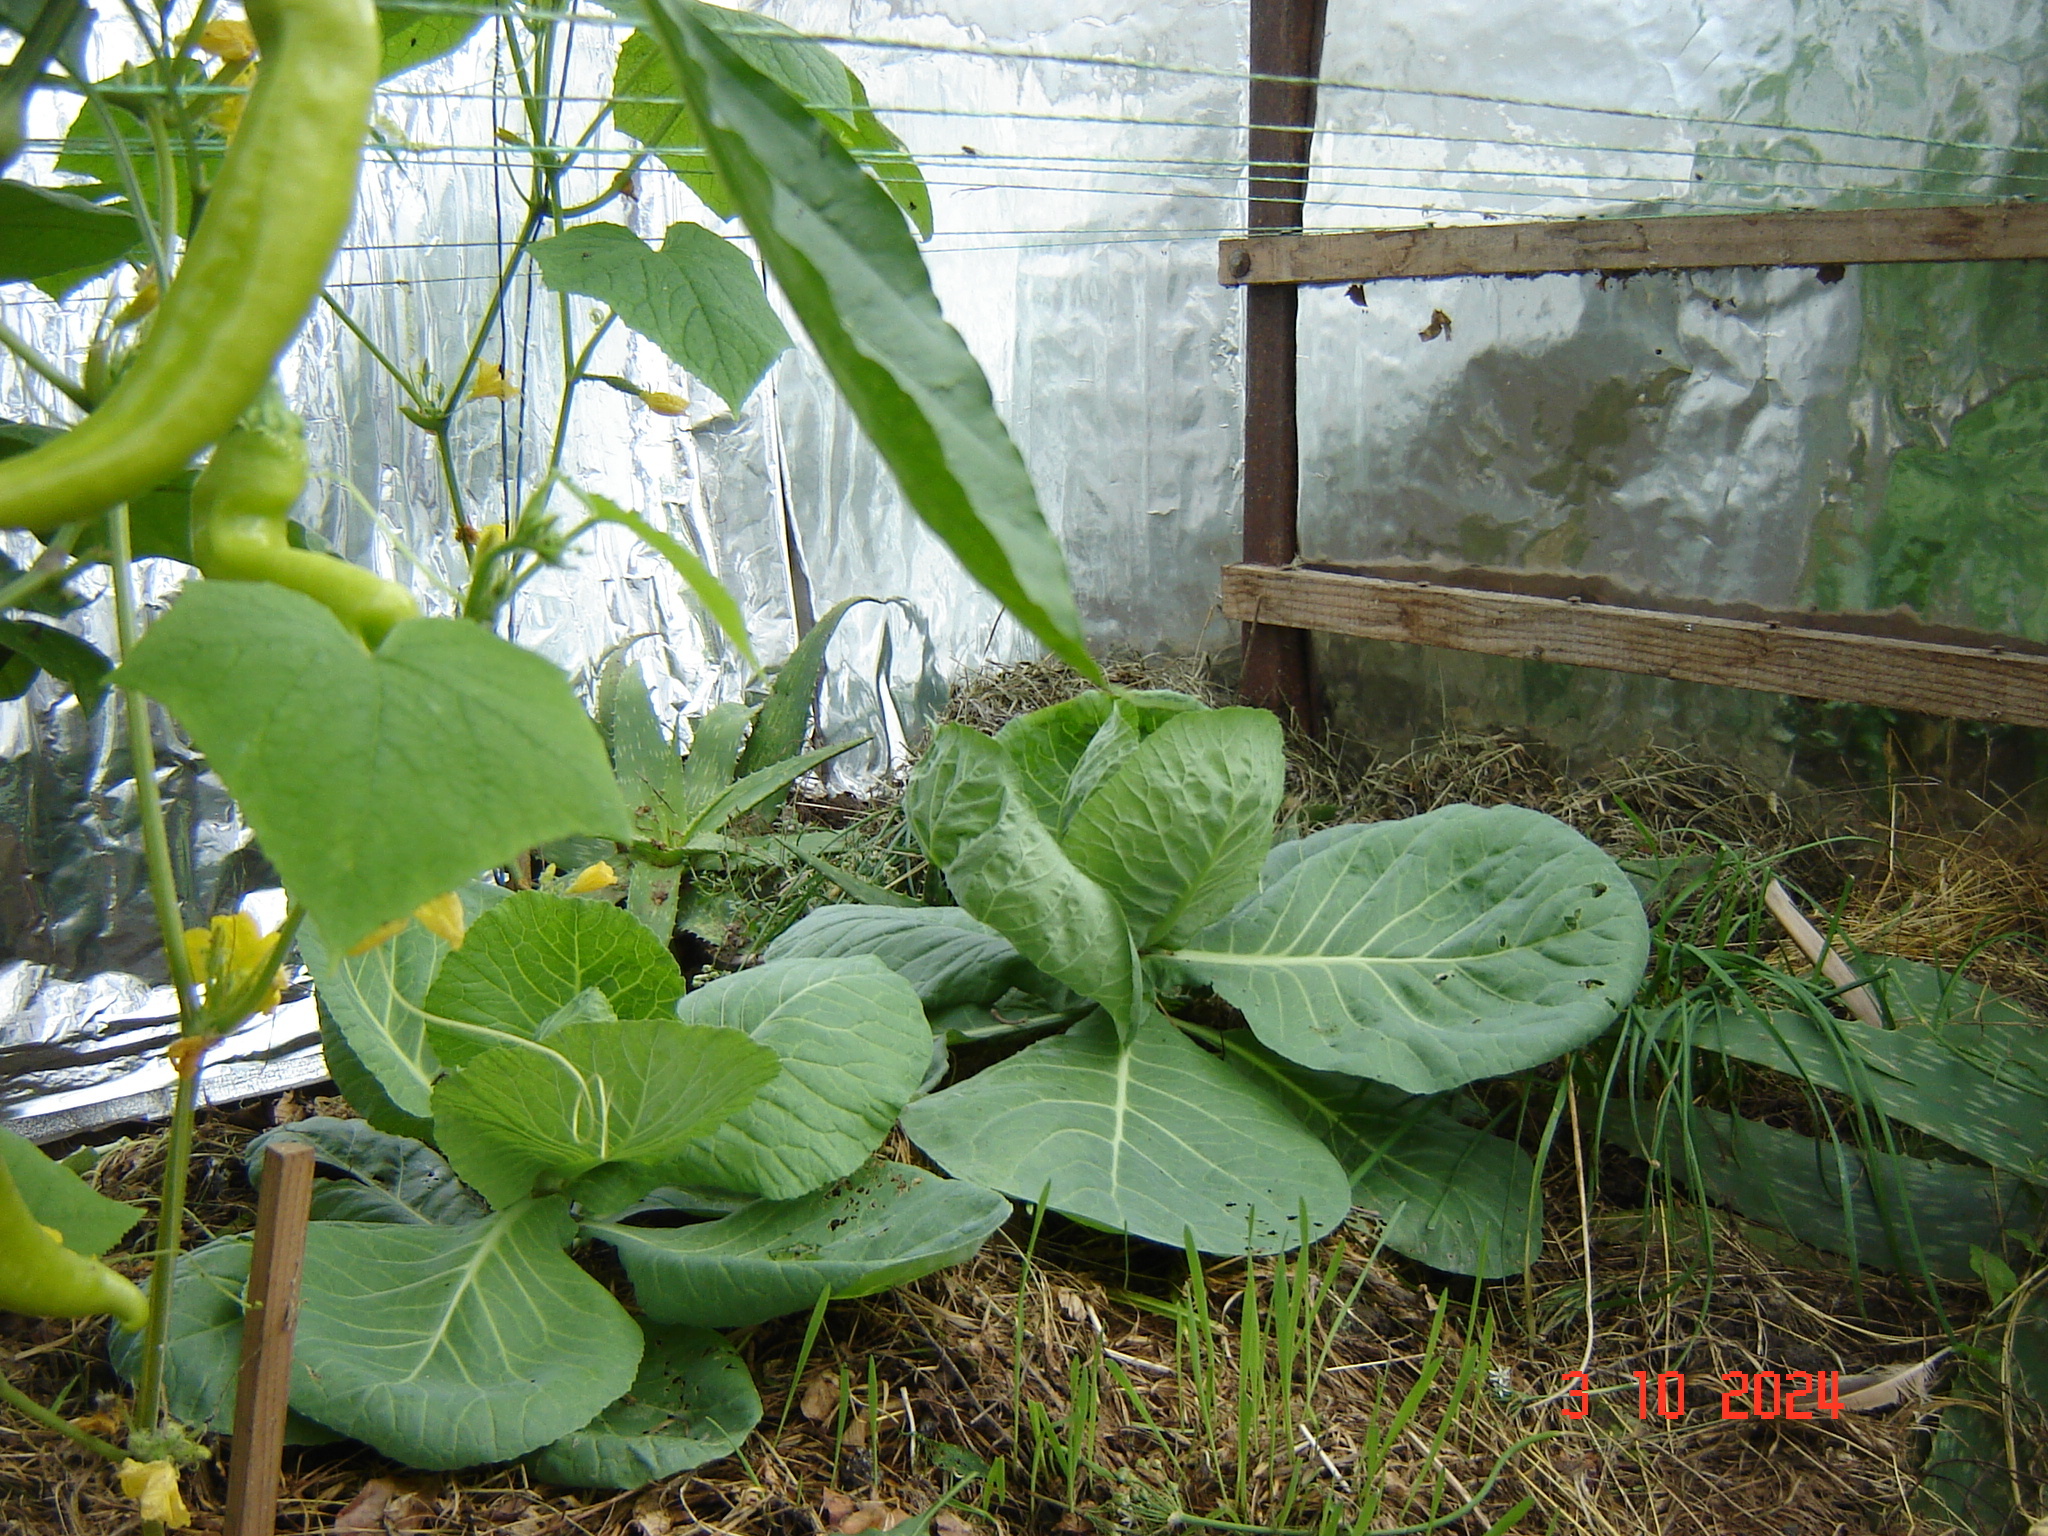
pixel 1728 435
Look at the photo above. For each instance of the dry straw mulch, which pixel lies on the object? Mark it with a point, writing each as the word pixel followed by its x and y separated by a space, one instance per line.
pixel 1085 1370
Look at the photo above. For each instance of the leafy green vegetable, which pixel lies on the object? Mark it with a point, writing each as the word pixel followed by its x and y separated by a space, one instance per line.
pixel 529 957
pixel 1178 827
pixel 1004 866
pixel 448 1346
pixel 401 772
pixel 589 1094
pixel 1429 952
pixel 1046 746
pixel 884 1226
pixel 205 1353
pixel 948 957
pixel 692 1403
pixel 366 1096
pixel 698 298
pixel 854 1046
pixel 374 1001
pixel 848 267
pixel 1157 1138
pixel 1450 1195
pixel 391 1178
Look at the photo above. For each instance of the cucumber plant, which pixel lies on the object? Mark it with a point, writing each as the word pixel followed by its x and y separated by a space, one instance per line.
pixel 383 759
pixel 1113 858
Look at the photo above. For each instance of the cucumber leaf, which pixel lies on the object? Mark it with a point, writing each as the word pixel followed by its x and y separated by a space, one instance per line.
pixel 697 297
pixel 848 267
pixel 375 781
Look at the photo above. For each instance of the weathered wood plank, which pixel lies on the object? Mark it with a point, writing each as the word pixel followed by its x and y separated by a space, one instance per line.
pixel 1966 682
pixel 1286 48
pixel 1832 237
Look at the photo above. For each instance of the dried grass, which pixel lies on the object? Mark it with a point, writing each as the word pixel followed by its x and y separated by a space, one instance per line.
pixel 946 1353
pixel 1618 1288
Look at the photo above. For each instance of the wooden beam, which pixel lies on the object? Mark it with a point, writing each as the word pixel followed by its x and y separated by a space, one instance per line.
pixel 1825 238
pixel 1964 681
pixel 1286 52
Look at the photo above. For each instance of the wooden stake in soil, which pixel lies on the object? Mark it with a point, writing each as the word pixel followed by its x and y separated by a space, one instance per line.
pixel 267 1328
pixel 1855 996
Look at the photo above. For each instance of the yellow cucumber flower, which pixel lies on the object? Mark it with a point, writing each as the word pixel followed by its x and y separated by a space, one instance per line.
pixel 229 40
pixel 228 952
pixel 595 877
pixel 442 917
pixel 154 1485
pixel 662 403
pixel 490 383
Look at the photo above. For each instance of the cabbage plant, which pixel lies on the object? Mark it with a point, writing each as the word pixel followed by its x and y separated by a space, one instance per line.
pixel 1113 858
pixel 559 1088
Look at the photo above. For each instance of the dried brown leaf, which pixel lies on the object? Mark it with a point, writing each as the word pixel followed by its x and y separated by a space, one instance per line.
pixel 821 1397
pixel 364 1515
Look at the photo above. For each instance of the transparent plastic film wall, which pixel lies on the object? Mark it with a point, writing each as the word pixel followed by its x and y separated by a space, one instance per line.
pixel 1862 439
pixel 1082 164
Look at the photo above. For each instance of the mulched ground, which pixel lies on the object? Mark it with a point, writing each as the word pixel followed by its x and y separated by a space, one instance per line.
pixel 1087 1374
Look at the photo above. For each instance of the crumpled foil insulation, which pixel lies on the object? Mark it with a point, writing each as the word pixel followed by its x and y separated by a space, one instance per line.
pixel 1726 435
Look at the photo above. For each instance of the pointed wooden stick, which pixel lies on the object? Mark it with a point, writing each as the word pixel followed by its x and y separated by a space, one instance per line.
pixel 1855 995
pixel 265 1384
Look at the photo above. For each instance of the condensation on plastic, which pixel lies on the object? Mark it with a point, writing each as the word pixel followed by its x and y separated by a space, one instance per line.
pixel 1687 434
pixel 1722 435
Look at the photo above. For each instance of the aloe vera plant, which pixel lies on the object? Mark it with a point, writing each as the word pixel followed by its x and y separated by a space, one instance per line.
pixel 1112 857
pixel 739 758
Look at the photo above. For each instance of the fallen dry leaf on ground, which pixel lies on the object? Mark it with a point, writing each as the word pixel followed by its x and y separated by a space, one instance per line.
pixel 821 1397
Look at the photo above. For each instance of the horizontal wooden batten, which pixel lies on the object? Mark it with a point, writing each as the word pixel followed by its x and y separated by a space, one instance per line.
pixel 1964 681
pixel 1823 238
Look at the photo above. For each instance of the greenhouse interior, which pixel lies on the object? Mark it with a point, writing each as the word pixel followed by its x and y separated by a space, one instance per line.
pixel 801 767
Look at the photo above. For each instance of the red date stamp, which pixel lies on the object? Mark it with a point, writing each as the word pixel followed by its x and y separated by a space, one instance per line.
pixel 1744 1395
